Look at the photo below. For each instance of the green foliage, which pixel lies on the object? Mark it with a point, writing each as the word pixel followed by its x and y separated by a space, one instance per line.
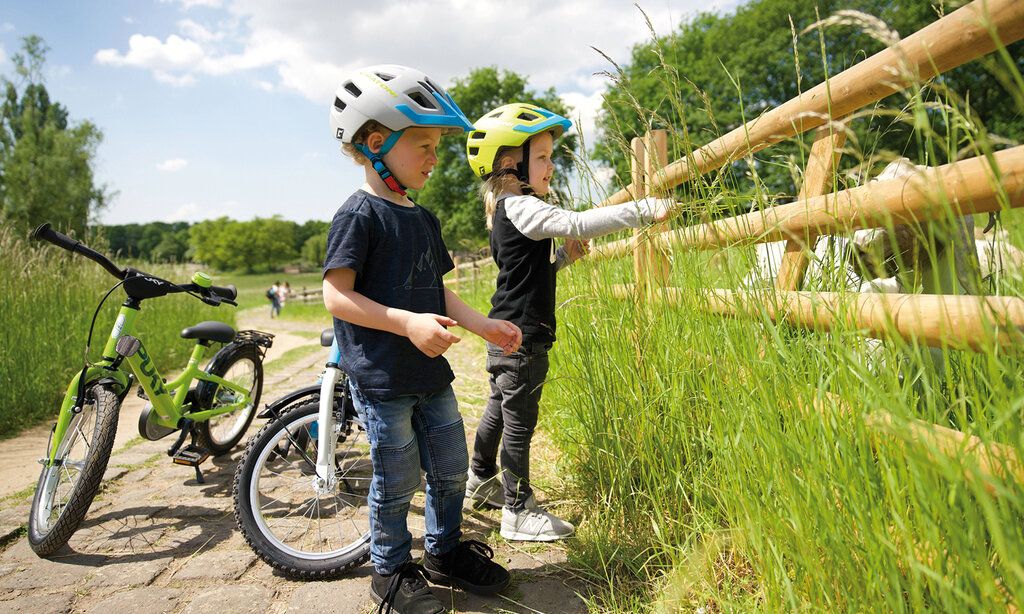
pixel 46 162
pixel 152 242
pixel 49 297
pixel 717 71
pixel 260 244
pixel 314 250
pixel 451 191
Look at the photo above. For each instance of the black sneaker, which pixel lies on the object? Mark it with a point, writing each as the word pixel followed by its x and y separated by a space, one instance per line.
pixel 469 567
pixel 404 592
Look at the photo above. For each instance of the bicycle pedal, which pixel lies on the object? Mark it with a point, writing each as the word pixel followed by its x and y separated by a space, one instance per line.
pixel 191 456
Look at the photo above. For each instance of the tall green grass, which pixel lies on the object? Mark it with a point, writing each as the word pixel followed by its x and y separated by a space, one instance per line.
pixel 48 301
pixel 714 472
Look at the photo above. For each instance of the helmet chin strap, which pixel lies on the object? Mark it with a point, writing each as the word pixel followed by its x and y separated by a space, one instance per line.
pixel 521 171
pixel 377 160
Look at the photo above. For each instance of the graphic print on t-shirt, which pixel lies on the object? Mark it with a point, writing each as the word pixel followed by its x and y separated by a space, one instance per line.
pixel 424 272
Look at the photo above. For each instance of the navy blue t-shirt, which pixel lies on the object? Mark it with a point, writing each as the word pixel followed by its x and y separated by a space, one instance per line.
pixel 399 259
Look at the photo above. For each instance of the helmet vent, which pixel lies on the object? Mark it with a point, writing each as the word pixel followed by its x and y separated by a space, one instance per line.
pixel 495 114
pixel 385 76
pixel 474 151
pixel 352 89
pixel 478 134
pixel 338 104
pixel 527 117
pixel 421 100
pixel 431 87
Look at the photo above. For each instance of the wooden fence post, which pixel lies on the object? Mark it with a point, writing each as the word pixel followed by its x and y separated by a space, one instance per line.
pixel 639 146
pixel 650 263
pixel 821 165
pixel 458 273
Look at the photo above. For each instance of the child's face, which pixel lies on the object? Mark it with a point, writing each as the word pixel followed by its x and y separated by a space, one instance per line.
pixel 541 167
pixel 414 155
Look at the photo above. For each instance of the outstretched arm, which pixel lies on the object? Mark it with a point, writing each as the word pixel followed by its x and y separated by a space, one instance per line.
pixel 538 220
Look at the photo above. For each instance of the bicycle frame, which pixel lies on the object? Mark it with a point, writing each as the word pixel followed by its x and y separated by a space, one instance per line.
pixel 169 409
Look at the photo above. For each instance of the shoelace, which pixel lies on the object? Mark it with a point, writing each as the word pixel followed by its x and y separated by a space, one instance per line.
pixel 412 571
pixel 481 553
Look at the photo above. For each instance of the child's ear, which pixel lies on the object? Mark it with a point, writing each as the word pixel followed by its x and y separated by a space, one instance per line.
pixel 374 141
pixel 506 162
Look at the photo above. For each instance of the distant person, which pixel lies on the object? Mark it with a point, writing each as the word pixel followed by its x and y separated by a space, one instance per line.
pixel 274 296
pixel 510 148
pixel 283 293
pixel 383 285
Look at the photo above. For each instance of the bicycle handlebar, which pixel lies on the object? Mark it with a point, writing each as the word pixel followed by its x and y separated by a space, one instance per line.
pixel 148 285
pixel 225 292
pixel 45 232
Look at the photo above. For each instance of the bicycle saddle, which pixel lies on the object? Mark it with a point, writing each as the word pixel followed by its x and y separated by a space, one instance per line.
pixel 210 331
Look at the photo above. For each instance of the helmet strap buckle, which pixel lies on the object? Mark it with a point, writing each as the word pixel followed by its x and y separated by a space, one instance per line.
pixel 377 161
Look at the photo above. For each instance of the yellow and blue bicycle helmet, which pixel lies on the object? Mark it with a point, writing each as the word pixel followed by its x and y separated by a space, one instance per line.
pixel 510 125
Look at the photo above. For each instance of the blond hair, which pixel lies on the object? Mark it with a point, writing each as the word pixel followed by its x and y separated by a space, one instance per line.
pixel 495 185
pixel 350 149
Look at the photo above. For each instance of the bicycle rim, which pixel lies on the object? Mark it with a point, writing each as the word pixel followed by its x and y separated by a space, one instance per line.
pixel 227 427
pixel 59 480
pixel 286 507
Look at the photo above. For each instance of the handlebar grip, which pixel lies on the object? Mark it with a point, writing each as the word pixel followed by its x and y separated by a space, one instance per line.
pixel 228 292
pixel 45 232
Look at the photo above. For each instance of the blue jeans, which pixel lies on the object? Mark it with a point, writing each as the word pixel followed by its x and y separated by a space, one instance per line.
pixel 406 434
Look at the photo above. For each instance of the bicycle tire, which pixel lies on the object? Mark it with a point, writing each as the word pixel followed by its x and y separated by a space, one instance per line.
pixel 207 394
pixel 46 539
pixel 264 448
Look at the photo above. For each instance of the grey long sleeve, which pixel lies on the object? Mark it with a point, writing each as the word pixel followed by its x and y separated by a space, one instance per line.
pixel 538 220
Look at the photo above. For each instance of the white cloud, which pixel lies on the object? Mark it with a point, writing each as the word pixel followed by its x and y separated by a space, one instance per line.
pixel 128 20
pixel 173 165
pixel 189 4
pixel 3 55
pixel 198 32
pixel 7 27
pixel 584 112
pixel 174 54
pixel 311 44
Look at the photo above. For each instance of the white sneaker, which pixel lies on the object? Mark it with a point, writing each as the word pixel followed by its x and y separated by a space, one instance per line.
pixel 533 524
pixel 485 492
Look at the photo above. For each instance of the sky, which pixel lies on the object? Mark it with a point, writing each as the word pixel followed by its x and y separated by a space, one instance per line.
pixel 220 107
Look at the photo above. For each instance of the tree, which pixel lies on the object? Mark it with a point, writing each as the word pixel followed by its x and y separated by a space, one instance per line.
pixel 717 71
pixel 46 163
pixel 451 192
pixel 314 250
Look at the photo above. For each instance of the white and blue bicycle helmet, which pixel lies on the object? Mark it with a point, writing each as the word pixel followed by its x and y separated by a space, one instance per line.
pixel 397 97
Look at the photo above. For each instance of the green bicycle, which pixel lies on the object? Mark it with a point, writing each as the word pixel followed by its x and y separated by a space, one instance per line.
pixel 215 413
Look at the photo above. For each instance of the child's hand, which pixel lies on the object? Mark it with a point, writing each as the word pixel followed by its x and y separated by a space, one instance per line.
pixel 427 332
pixel 662 209
pixel 503 334
pixel 576 248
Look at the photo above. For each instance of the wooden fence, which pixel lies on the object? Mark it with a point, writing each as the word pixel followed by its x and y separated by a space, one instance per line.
pixel 964 187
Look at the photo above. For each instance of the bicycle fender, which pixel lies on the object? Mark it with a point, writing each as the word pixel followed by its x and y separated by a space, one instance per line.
pixel 274 408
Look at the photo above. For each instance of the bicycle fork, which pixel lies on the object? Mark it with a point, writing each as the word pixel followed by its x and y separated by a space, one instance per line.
pixel 327 432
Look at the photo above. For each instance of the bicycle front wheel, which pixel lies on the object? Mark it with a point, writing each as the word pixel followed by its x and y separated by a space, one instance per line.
pixel 302 530
pixel 66 488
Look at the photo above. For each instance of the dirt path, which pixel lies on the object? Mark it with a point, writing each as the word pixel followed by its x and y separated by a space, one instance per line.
pixel 156 541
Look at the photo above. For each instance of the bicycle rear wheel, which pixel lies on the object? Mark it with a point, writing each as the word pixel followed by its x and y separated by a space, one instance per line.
pixel 66 488
pixel 294 528
pixel 240 364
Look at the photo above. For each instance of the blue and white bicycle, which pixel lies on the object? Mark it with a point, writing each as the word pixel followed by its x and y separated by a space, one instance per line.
pixel 301 486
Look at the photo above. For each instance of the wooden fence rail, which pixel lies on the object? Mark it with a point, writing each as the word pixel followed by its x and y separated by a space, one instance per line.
pixel 964 35
pixel 965 187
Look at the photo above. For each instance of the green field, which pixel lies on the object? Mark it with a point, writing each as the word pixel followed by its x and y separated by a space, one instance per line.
pixel 49 300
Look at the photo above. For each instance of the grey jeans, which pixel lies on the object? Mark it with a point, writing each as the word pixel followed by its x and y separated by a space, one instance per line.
pixel 510 418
